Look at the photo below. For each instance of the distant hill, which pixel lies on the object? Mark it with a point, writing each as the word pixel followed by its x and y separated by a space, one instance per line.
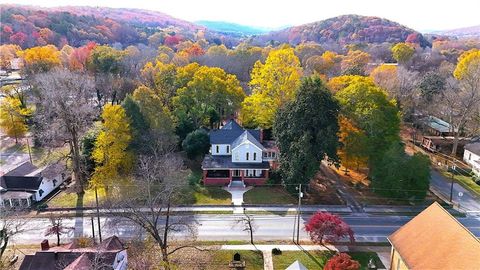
pixel 31 26
pixel 233 28
pixel 465 32
pixel 344 29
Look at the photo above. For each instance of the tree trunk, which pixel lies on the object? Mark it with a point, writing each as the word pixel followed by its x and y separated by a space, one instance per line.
pixel 75 149
pixel 3 242
pixel 455 144
pixel 58 238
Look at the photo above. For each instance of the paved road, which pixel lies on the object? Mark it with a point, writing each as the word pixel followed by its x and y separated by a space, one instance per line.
pixel 223 227
pixel 468 201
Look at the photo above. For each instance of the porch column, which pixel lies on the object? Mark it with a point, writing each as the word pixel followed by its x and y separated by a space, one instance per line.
pixel 266 174
pixel 204 172
pixel 242 174
pixel 230 172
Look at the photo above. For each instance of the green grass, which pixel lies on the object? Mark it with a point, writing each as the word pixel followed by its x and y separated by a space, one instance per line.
pixel 268 195
pixel 465 181
pixel 64 199
pixel 253 259
pixel 317 259
pixel 200 195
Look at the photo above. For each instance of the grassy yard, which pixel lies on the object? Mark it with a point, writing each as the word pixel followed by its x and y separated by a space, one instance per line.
pixel 71 199
pixel 317 259
pixel 466 181
pixel 208 195
pixel 268 195
pixel 216 259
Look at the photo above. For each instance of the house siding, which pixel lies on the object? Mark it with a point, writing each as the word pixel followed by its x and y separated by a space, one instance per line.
pixel 239 154
pixel 222 150
pixel 472 159
pixel 397 262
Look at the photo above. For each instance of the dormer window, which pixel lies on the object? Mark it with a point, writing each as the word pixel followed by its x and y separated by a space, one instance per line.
pixel 247 155
pixel 217 149
pixel 228 149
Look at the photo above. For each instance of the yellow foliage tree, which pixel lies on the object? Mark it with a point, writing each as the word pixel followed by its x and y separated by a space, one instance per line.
pixel 40 59
pixel 110 151
pixel 273 84
pixel 355 62
pixel 12 117
pixel 386 77
pixel 468 65
pixel 336 84
pixel 402 52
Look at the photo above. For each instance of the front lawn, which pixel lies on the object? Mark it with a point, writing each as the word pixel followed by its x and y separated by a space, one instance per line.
pixel 317 259
pixel 268 195
pixel 67 199
pixel 207 196
pixel 216 259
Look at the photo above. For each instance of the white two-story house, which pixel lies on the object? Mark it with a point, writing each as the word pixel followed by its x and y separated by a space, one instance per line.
pixel 238 154
pixel 471 155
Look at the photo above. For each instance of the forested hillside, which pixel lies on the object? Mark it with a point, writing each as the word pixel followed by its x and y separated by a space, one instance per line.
pixel 344 29
pixel 29 26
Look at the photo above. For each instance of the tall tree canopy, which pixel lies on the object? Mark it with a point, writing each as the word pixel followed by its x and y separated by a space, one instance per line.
pixel 110 153
pixel 13 117
pixel 371 111
pixel 273 84
pixel 306 131
pixel 402 52
pixel 40 59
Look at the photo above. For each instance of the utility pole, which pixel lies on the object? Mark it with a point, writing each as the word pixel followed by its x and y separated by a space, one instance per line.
pixel 98 216
pixel 93 229
pixel 451 186
pixel 300 195
pixel 29 152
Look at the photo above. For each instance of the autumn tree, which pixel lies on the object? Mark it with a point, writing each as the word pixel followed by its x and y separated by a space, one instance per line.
pixel 12 223
pixel 273 84
pixel 336 84
pixel 13 117
pixel 209 90
pixel 110 153
pixel 352 151
pixel 65 109
pixel 162 78
pixel 40 59
pixel 327 64
pixel 7 53
pixel 402 52
pixel 431 84
pixel 355 62
pixel 371 111
pixel 138 123
pixel 306 131
pixel 464 101
pixel 57 228
pixel 105 59
pixel 385 76
pixel 341 261
pixel 324 227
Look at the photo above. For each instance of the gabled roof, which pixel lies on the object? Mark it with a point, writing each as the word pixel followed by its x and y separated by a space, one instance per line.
pixel 81 263
pixel 473 147
pixel 232 125
pixel 246 137
pixel 111 243
pixel 21 182
pixel 22 170
pixel 230 132
pixel 434 239
pixel 225 162
pixel 438 124
pixel 296 265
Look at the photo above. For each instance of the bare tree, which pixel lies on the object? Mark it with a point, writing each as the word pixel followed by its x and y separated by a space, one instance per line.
pixel 11 224
pixel 157 185
pixel 249 225
pixel 57 228
pixel 65 110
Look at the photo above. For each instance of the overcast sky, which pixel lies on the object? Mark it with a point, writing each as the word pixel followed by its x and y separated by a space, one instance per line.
pixel 422 15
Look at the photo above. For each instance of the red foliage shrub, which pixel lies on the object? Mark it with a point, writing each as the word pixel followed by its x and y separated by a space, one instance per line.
pixel 341 261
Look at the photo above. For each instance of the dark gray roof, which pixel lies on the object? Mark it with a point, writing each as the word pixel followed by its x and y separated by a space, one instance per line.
pixel 21 182
pixel 230 132
pixel 232 125
pixel 49 260
pixel 22 170
pixel 473 147
pixel 246 136
pixel 225 162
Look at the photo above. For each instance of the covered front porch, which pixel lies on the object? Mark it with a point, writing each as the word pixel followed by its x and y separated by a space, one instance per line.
pixel 226 176
pixel 16 199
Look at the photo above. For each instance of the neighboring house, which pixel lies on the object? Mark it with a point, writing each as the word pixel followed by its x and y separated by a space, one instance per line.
pixel 434 239
pixel 437 127
pixel 110 254
pixel 238 154
pixel 443 144
pixel 471 155
pixel 26 184
pixel 296 265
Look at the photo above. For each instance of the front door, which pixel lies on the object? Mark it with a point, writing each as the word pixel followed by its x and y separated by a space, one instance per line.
pixel 236 173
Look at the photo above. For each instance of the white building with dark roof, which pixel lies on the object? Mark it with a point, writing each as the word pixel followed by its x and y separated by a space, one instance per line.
pixel 471 155
pixel 238 154
pixel 26 184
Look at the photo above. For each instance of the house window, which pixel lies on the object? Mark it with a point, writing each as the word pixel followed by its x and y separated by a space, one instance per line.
pixel 254 156
pixel 273 154
pixel 470 156
pixel 228 149
pixel 265 154
pixel 217 148
pixel 247 156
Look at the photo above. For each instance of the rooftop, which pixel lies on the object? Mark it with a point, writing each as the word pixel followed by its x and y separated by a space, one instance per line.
pixel 473 147
pixel 438 124
pixel 434 239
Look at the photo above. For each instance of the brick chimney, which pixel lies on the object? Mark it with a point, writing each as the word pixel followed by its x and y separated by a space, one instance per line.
pixel 44 245
pixel 261 135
